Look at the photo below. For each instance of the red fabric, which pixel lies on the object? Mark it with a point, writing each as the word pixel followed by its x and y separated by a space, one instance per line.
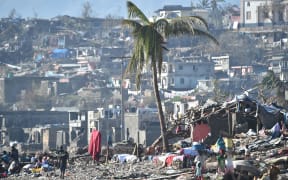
pixel 169 160
pixel 95 145
pixel 200 131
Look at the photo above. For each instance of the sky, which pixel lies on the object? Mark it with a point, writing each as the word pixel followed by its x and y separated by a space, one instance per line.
pixel 101 8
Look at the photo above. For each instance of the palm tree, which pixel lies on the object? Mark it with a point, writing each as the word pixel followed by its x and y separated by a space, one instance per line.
pixel 204 4
pixel 149 45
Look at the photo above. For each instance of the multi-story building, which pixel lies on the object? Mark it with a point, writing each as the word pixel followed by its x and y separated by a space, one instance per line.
pixel 78 127
pixel 183 74
pixel 108 121
pixel 263 12
pixel 279 65
pixel 221 63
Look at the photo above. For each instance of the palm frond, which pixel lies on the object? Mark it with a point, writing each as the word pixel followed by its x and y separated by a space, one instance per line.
pixel 196 20
pixel 135 12
pixel 132 24
pixel 200 32
pixel 176 28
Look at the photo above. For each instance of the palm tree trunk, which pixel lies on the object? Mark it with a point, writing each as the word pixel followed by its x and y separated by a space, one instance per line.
pixel 160 109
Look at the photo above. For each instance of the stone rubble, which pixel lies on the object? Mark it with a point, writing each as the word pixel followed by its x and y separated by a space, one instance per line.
pixel 264 152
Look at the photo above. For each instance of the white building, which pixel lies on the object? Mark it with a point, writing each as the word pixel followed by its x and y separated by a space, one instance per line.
pixel 183 74
pixel 279 65
pixel 174 11
pixel 263 12
pixel 221 63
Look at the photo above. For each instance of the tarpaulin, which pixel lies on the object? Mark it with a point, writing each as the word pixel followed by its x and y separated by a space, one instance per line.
pixel 199 132
pixel 59 53
pixel 95 145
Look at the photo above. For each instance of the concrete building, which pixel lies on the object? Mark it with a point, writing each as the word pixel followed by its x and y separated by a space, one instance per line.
pixel 279 65
pixel 174 11
pixel 183 74
pixel 61 138
pixel 221 63
pixel 78 127
pixel 142 126
pixel 107 121
pixel 240 71
pixel 263 12
pixel 51 139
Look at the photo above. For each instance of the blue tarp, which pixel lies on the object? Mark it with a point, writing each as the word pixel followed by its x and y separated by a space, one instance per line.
pixel 59 53
pixel 197 147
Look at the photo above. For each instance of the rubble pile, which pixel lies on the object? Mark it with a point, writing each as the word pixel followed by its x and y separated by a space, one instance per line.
pixel 239 139
pixel 265 152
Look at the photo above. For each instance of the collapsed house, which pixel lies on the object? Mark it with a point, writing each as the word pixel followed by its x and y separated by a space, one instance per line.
pixel 230 118
pixel 207 123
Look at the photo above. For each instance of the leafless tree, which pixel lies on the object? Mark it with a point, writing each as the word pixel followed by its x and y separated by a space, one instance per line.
pixel 12 13
pixel 87 10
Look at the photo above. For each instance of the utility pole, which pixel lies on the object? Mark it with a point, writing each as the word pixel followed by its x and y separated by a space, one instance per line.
pixel 121 91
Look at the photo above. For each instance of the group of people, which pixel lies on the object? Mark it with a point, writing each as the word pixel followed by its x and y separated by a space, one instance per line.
pixel 10 161
pixel 224 164
pixel 224 159
pixel 38 162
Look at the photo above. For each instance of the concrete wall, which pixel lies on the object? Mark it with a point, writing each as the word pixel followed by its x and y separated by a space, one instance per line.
pixel 17 123
pixel 131 122
pixel 49 137
pixel 148 130
pixel 28 119
pixel 11 88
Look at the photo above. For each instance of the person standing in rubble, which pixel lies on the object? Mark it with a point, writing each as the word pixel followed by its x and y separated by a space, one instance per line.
pixel 13 167
pixel 283 130
pixel 229 164
pixel 63 158
pixel 221 161
pixel 198 173
pixel 247 152
pixel 14 154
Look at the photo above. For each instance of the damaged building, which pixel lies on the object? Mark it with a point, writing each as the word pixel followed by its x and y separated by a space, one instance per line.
pixel 239 115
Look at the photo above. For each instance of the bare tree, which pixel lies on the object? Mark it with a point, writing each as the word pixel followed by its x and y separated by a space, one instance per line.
pixel 12 13
pixel 87 10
